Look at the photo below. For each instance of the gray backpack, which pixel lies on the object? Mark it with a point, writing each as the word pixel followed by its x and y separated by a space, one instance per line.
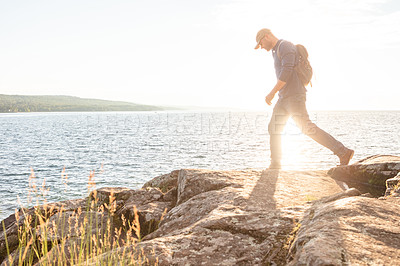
pixel 302 67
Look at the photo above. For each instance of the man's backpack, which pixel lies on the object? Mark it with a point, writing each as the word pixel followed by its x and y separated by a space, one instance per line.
pixel 302 67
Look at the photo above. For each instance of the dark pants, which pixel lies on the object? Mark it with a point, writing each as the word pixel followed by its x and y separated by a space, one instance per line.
pixel 295 107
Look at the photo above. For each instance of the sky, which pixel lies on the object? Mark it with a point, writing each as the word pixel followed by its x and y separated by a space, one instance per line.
pixel 199 53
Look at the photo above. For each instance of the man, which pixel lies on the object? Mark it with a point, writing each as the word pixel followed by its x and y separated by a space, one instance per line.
pixel 292 101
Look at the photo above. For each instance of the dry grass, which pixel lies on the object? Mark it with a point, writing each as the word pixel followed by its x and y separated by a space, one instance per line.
pixel 52 235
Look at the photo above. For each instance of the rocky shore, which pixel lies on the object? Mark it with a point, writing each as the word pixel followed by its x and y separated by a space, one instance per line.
pixel 249 217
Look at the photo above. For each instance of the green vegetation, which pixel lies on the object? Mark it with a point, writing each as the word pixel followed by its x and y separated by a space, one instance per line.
pixel 26 103
pixel 53 234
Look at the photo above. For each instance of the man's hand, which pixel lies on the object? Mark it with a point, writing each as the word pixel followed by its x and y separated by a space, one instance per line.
pixel 279 85
pixel 269 97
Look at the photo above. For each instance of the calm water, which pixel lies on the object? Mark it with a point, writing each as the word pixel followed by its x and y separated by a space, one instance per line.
pixel 129 148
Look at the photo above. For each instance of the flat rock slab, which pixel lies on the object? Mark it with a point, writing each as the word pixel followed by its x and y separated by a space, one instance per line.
pixel 235 217
pixel 372 171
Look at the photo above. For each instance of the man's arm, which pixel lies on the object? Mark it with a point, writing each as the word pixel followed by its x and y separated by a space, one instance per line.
pixel 279 85
pixel 288 57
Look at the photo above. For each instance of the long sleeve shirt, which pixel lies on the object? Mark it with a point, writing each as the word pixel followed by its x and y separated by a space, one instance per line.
pixel 285 58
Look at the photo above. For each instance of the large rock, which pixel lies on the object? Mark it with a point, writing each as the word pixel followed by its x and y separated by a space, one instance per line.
pixel 349 231
pixel 369 174
pixel 230 218
pixel 164 182
pixel 235 217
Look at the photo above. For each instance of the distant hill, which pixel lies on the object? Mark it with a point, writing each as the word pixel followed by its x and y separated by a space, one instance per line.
pixel 28 103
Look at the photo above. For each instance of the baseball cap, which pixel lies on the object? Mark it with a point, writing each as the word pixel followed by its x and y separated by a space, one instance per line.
pixel 261 34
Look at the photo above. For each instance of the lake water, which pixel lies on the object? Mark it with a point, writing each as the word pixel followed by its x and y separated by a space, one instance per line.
pixel 129 148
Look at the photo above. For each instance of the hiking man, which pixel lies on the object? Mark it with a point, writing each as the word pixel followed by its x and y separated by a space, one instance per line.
pixel 292 101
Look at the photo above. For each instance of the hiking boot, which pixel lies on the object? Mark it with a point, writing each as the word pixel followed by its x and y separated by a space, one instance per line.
pixel 346 157
pixel 275 165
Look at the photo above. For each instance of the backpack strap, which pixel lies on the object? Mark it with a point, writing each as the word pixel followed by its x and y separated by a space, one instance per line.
pixel 278 51
pixel 279 54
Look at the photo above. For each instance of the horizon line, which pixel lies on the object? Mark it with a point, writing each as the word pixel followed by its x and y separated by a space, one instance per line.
pixel 193 107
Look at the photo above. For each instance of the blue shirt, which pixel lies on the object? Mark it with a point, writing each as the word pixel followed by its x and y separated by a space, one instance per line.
pixel 285 59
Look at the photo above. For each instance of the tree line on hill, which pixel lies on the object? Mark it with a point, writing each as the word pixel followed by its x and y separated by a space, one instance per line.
pixel 25 103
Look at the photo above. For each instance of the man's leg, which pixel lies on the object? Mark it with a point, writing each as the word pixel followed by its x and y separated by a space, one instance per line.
pixel 297 108
pixel 275 127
